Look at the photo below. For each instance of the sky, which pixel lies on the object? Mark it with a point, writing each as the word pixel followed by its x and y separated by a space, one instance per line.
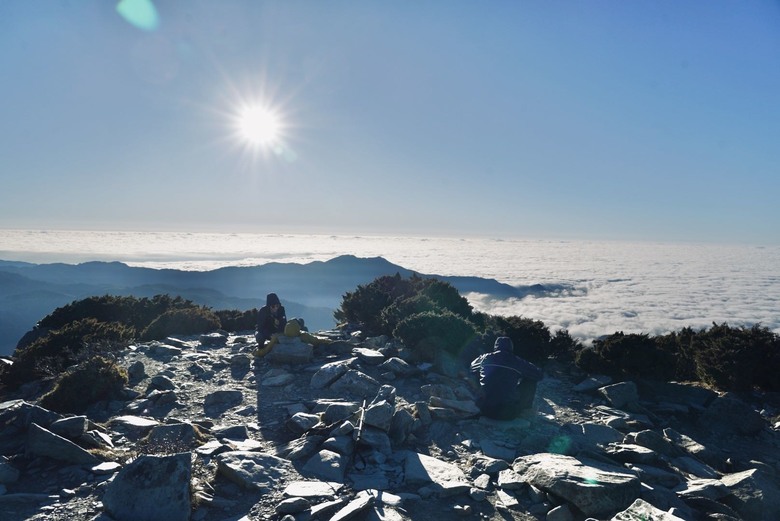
pixel 604 120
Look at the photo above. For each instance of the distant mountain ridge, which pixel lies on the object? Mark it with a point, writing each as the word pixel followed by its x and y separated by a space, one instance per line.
pixel 28 292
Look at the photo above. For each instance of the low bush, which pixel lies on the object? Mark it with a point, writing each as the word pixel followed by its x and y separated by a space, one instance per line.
pixel 429 333
pixel 234 320
pixel 737 359
pixel 93 380
pixel 187 321
pixel 61 348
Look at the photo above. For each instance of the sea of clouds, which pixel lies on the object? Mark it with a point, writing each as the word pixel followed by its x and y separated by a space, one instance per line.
pixel 603 287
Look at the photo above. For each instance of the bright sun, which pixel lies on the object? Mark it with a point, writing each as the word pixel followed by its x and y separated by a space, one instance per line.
pixel 258 126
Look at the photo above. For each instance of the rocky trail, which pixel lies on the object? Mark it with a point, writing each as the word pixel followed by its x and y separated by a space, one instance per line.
pixel 208 433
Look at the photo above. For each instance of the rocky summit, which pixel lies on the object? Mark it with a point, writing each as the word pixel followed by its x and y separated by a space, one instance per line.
pixel 353 430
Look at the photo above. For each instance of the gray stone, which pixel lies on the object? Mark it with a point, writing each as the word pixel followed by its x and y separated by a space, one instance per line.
pixel 360 504
pixel 620 394
pixel 641 509
pixel 655 441
pixel 162 382
pixel 302 422
pixel 695 467
pixel 174 437
pixel 497 450
pixel 753 494
pixel 253 470
pixel 223 398
pixel 292 505
pixel 213 340
pixel 464 406
pixel 159 350
pixel 71 427
pixel 136 371
pixel 380 415
pixel 630 453
pixel 369 356
pixel 42 442
pixel 377 439
pixel 398 367
pixel 329 373
pixel 561 513
pixel 327 465
pixel 312 489
pixel 401 426
pixel 342 444
pixel 420 468
pixel 728 414
pixel 597 489
pixel 293 352
pixel 356 383
pixel 600 434
pixel 8 473
pixel 508 479
pixel 488 465
pixel 592 383
pixel 708 488
pixel 151 487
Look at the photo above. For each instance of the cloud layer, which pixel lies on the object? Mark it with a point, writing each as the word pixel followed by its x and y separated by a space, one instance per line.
pixel 598 287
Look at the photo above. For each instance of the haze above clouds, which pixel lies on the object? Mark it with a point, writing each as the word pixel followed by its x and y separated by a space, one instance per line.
pixel 578 120
pixel 604 286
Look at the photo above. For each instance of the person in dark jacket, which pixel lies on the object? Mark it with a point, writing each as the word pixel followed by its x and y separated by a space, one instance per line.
pixel 271 320
pixel 508 382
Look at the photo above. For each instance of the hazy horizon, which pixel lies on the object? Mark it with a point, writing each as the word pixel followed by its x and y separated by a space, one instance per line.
pixel 605 286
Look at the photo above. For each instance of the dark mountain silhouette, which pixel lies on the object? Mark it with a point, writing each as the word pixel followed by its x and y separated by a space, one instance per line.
pixel 28 292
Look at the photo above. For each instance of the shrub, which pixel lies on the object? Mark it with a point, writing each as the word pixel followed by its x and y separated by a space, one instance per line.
pixel 563 346
pixel 429 334
pixel 91 381
pixel 63 347
pixel 364 305
pixel 531 338
pixel 737 359
pixel 402 308
pixel 443 295
pixel 234 320
pixel 130 311
pixel 187 321
pixel 629 355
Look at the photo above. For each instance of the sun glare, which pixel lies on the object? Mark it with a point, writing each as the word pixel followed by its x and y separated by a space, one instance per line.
pixel 259 126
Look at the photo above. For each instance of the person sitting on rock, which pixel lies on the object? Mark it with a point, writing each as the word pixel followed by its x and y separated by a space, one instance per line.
pixel 294 328
pixel 507 382
pixel 271 320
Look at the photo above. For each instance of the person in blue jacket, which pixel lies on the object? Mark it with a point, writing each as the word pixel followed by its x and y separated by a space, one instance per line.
pixel 508 382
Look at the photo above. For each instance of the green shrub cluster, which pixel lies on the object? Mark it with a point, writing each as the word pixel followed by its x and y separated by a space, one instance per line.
pixel 430 316
pixel 104 325
pixel 63 347
pixel 431 333
pixel 724 357
pixel 94 379
pixel 234 320
pixel 187 321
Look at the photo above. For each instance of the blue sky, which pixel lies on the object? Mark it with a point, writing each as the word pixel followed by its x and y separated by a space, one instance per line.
pixel 572 120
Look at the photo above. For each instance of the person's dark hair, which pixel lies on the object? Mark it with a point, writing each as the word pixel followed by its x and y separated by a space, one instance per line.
pixel 272 299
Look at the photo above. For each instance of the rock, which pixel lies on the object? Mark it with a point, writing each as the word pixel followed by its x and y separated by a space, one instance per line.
pixel 398 367
pixel 8 473
pixel 293 352
pixel 253 470
pixel 223 398
pixel 213 340
pixel 729 415
pixel 329 373
pixel 561 513
pixel 592 383
pixel 292 505
pixel 327 465
pixel 356 383
pixel 380 415
pixel 621 394
pixel 369 356
pixel 302 422
pixel 420 468
pixel 71 427
pixel 360 504
pixel 42 442
pixel 641 509
pixel 312 489
pixel 597 489
pixel 151 487
pixel 753 494
pixel 173 437
pixel 600 434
